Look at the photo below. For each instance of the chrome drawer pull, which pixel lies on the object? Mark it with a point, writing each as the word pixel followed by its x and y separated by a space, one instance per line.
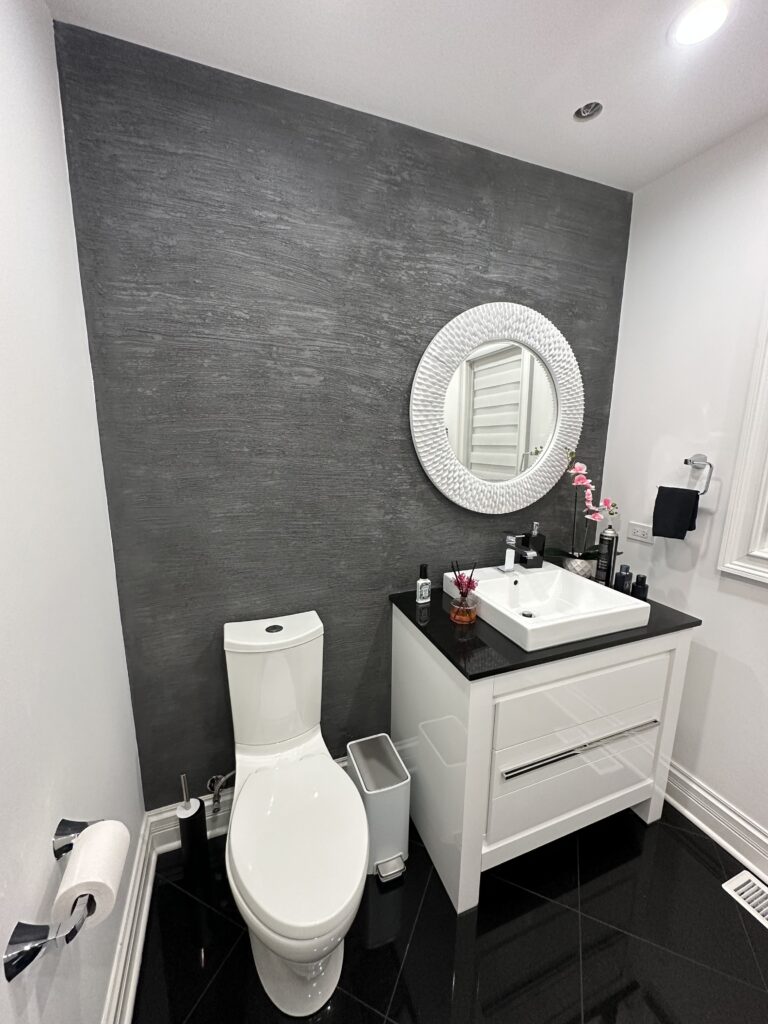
pixel 531 766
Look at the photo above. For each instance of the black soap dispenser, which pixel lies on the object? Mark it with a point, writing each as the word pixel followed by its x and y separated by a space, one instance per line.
pixel 534 540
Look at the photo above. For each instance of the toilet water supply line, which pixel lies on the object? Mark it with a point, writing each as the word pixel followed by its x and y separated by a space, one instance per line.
pixel 215 785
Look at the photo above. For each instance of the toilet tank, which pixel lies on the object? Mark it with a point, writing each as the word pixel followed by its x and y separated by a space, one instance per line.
pixel 275 672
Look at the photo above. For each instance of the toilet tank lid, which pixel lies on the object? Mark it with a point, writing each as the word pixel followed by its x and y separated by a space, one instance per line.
pixel 275 634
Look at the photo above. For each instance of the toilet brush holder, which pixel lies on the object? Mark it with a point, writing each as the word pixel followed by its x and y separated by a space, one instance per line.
pixel 193 832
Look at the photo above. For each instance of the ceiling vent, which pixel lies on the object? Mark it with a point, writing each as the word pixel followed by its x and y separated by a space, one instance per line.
pixel 588 112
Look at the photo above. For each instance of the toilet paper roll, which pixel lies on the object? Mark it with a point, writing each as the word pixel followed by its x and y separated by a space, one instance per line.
pixel 95 866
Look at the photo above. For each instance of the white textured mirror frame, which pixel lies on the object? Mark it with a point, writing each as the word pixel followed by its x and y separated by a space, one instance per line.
pixel 494 321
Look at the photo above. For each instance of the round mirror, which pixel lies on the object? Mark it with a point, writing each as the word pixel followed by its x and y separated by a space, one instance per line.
pixel 500 410
pixel 497 403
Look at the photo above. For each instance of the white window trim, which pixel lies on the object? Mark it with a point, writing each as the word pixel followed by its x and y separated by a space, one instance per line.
pixel 745 543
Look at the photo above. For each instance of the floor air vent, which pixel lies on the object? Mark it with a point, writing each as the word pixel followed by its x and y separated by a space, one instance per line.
pixel 751 893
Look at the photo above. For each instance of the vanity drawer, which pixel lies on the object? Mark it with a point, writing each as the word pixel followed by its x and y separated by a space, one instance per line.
pixel 579 699
pixel 555 746
pixel 540 794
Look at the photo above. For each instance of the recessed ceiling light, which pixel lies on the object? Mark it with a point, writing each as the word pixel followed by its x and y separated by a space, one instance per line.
pixel 588 111
pixel 700 21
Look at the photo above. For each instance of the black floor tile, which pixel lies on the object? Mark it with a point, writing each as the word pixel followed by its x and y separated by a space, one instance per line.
pixel 756 932
pixel 671 816
pixel 514 959
pixel 549 871
pixel 663 884
pixel 757 935
pixel 212 887
pixel 660 941
pixel 528 958
pixel 377 941
pixel 236 996
pixel 185 944
pixel 433 981
pixel 630 981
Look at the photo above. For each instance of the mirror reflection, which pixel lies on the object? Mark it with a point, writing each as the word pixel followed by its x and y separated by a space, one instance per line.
pixel 500 410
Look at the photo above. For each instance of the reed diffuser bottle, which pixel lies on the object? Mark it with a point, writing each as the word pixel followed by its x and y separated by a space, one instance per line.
pixel 464 607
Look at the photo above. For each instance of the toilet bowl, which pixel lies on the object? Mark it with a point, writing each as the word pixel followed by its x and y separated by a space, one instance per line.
pixel 296 861
pixel 297 848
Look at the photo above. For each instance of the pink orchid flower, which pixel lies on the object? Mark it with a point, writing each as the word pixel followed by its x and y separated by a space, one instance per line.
pixel 465 584
pixel 606 502
pixel 578 467
pixel 581 481
pixel 596 516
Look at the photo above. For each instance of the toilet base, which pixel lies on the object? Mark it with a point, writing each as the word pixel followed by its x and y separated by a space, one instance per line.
pixel 298 989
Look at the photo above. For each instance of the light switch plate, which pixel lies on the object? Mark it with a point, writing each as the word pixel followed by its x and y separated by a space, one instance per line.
pixel 641 532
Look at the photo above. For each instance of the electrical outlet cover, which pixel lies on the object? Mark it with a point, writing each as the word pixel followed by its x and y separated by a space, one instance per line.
pixel 641 532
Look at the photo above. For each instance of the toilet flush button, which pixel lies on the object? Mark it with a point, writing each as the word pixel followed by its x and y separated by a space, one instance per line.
pixel 274 629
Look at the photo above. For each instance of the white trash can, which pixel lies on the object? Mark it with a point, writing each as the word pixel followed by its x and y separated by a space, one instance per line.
pixel 384 783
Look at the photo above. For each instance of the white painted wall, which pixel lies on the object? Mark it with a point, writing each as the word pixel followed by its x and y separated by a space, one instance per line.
pixel 67 742
pixel 694 299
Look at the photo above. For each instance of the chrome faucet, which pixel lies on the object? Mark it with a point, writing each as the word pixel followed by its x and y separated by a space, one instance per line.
pixel 511 555
pixel 519 554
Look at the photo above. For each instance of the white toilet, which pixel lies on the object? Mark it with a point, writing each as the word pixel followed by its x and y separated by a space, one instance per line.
pixel 297 848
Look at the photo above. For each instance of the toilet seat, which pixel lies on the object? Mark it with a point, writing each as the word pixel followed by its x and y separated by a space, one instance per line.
pixel 298 846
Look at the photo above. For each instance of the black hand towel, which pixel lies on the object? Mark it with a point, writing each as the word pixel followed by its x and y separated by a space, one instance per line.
pixel 675 512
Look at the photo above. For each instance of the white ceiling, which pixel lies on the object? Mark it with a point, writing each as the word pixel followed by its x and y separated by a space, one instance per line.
pixel 502 74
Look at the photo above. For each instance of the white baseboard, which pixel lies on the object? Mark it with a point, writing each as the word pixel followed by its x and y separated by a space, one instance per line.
pixel 742 837
pixel 159 834
pixel 121 990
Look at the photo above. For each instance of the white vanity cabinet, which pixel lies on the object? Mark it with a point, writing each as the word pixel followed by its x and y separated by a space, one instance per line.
pixel 506 762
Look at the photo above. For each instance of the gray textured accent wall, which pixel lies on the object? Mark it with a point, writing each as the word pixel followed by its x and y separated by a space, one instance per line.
pixel 262 272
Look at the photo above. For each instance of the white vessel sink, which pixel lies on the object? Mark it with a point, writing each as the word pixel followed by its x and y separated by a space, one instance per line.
pixel 543 607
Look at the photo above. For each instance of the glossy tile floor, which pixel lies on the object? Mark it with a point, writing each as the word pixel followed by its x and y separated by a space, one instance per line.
pixel 618 924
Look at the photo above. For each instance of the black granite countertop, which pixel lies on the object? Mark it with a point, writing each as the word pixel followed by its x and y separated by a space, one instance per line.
pixel 480 650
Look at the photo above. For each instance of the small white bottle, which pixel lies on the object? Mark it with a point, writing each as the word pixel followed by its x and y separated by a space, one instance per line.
pixel 423 586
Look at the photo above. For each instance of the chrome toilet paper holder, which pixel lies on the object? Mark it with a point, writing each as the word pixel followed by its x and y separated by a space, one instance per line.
pixel 29 941
pixel 66 833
